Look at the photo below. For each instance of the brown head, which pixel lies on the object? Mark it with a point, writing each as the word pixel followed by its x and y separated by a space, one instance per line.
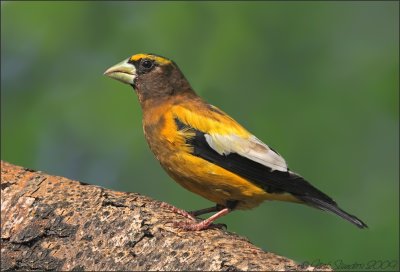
pixel 152 76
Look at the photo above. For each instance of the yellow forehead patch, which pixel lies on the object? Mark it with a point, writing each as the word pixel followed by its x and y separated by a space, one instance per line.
pixel 149 56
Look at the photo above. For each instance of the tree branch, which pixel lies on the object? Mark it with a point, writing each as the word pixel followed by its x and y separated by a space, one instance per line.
pixel 53 223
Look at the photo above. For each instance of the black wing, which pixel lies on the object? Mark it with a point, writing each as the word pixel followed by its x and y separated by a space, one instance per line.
pixel 262 176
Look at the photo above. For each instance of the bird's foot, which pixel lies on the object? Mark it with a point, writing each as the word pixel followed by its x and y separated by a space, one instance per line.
pixel 178 211
pixel 205 224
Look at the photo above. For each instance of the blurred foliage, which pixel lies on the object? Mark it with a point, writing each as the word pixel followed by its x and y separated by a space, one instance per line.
pixel 318 81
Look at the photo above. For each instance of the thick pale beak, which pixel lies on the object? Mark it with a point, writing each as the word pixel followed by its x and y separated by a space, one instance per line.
pixel 123 71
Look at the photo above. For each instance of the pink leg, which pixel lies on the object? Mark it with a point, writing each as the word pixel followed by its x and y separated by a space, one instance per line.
pixel 178 211
pixel 205 223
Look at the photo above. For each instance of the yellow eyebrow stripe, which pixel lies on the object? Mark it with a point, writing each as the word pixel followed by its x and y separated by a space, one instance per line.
pixel 158 59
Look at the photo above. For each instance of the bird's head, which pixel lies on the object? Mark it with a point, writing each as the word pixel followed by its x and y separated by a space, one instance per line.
pixel 152 76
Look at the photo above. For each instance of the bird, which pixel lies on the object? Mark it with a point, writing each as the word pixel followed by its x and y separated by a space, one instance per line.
pixel 206 151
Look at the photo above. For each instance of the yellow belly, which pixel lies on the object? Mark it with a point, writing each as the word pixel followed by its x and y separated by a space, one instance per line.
pixel 217 184
pixel 196 174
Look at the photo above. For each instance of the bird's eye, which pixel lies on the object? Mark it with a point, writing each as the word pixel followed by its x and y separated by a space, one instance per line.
pixel 147 64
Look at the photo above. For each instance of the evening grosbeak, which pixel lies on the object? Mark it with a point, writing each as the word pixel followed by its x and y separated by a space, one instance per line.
pixel 208 152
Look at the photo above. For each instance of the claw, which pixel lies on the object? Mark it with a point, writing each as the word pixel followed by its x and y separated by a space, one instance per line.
pixel 178 211
pixel 193 224
pixel 205 224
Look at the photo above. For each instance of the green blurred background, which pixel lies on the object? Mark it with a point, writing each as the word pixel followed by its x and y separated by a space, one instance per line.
pixel 316 81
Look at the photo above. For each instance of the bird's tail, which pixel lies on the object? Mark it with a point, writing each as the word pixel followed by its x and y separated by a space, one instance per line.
pixel 332 207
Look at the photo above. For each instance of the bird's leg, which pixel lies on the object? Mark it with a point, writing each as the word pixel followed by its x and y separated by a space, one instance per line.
pixel 178 211
pixel 207 210
pixel 205 224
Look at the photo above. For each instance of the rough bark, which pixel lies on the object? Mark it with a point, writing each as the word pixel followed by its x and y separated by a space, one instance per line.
pixel 53 223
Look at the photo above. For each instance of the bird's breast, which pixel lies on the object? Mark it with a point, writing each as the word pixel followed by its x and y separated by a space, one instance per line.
pixel 162 135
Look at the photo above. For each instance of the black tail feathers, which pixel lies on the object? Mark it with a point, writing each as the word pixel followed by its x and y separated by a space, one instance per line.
pixel 332 207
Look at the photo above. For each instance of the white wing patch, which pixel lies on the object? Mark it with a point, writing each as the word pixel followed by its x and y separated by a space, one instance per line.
pixel 251 148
